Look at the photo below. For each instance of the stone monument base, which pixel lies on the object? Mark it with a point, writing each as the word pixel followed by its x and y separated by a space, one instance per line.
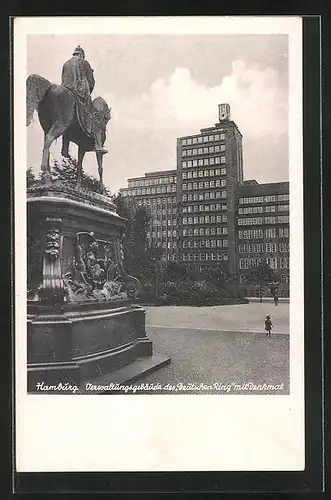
pixel 83 322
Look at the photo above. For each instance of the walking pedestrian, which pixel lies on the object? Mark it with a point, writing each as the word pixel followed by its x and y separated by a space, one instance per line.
pixel 268 326
pixel 276 299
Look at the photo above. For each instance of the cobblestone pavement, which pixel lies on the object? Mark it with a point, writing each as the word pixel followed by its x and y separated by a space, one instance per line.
pixel 205 348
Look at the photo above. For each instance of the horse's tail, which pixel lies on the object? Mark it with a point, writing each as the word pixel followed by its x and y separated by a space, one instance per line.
pixel 36 87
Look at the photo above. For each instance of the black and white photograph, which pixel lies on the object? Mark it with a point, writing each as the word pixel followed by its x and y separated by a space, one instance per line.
pixel 160 221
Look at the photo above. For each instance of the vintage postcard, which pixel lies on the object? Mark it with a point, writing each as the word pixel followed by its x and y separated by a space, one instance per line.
pixel 158 244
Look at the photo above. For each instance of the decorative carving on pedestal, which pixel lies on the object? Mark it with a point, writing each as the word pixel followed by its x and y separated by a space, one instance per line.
pixel 52 288
pixel 132 283
pixel 97 272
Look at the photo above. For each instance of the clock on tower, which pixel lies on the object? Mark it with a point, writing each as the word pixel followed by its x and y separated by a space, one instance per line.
pixel 223 112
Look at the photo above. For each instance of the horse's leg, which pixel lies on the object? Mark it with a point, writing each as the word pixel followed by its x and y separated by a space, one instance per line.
pixel 81 154
pixel 65 146
pixel 99 156
pixel 53 133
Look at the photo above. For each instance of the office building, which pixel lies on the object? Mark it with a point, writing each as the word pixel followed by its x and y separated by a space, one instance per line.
pixel 157 192
pixel 209 169
pixel 263 213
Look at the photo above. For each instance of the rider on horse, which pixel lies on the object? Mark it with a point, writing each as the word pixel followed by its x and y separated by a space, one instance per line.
pixel 77 75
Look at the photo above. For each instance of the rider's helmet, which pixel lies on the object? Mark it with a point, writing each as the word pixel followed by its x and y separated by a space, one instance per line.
pixel 79 51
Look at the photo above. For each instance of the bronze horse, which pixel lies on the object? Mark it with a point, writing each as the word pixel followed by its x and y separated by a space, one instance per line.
pixel 57 115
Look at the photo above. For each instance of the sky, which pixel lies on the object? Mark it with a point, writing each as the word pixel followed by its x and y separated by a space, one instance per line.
pixel 161 87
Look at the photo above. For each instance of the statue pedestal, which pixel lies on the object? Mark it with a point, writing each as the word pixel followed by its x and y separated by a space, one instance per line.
pixel 83 324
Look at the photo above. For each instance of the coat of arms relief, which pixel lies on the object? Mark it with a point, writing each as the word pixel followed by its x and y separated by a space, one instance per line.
pixel 97 271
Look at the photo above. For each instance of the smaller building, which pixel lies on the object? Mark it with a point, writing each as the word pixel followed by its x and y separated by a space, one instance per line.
pixel 263 233
pixel 157 192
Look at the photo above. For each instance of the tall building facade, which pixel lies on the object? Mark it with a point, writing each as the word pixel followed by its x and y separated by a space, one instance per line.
pixel 157 192
pixel 209 170
pixel 263 213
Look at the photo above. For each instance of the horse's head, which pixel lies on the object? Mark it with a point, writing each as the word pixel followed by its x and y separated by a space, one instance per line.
pixel 102 115
pixel 101 110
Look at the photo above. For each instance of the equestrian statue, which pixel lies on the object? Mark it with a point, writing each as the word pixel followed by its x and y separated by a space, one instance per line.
pixel 67 110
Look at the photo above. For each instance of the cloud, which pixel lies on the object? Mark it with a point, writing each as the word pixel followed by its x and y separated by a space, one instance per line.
pixel 143 130
pixel 180 103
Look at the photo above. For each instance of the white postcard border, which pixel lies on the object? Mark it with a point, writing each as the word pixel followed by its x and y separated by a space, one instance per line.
pixel 161 433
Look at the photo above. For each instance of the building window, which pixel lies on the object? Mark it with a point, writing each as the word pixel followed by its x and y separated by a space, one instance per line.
pixel 270 247
pixel 283 232
pixel 283 197
pixel 272 262
pixel 223 159
pixel 270 233
pixel 270 220
pixel 283 208
pixel 270 208
pixel 283 219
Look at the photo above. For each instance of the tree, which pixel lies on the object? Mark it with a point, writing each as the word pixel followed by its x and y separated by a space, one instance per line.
pixel 30 177
pixel 138 259
pixel 260 275
pixel 66 172
pixel 216 275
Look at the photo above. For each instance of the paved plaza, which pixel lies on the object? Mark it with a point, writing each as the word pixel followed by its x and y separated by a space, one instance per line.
pixel 224 345
pixel 239 318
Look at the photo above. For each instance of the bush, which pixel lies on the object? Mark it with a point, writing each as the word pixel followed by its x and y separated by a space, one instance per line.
pixel 189 292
